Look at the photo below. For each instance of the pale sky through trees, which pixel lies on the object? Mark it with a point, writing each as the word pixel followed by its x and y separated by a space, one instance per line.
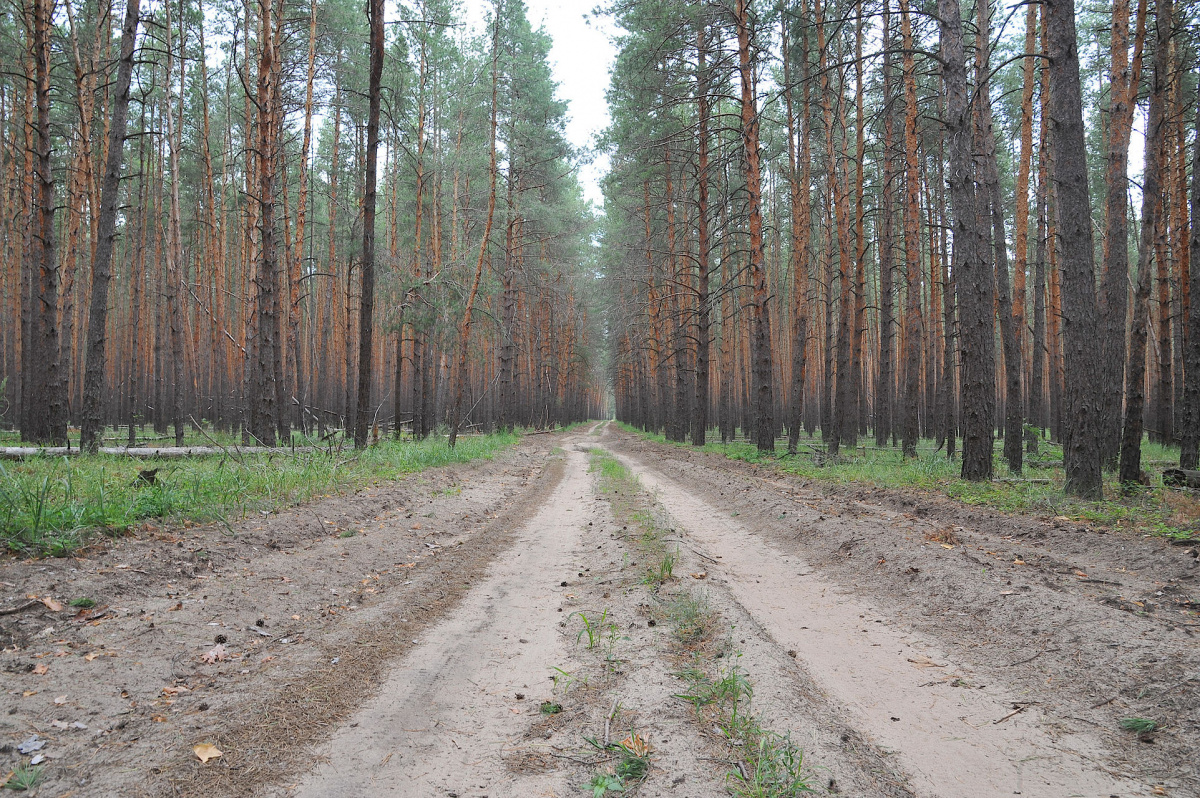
pixel 581 58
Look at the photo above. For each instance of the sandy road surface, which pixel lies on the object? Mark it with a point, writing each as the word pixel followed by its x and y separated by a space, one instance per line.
pixel 950 741
pixel 413 658
pixel 446 714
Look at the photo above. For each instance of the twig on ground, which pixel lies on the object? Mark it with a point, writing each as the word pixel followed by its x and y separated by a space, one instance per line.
pixel 608 719
pixel 1016 711
pixel 18 608
pixel 1035 656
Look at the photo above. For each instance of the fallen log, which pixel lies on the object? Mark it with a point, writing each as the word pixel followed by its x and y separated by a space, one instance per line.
pixel 1181 478
pixel 144 452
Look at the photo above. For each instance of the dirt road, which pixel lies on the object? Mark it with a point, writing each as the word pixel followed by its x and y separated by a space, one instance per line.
pixel 490 630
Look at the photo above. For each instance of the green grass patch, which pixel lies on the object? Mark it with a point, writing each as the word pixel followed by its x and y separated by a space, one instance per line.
pixel 54 505
pixel 1039 489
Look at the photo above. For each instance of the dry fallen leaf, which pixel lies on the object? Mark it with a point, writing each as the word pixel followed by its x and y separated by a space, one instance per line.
pixel 207 751
pixel 637 746
pixel 41 669
pixel 158 719
pixel 699 575
pixel 947 546
pixel 51 604
pixel 1018 561
pixel 217 653
pixel 92 656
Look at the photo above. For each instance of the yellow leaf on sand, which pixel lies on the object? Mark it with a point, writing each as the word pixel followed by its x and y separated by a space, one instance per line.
pixel 1018 561
pixel 636 745
pixel 947 546
pixel 207 751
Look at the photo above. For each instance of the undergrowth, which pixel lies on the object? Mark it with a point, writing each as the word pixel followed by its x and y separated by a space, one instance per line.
pixel 1039 489
pixel 54 505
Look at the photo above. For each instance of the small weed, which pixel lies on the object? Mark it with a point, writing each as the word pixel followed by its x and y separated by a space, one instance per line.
pixel 604 783
pixel 349 533
pixel 691 617
pixel 24 777
pixel 774 771
pixel 1139 725
pixel 83 603
pixel 664 572
pixel 593 630
pixel 564 680
pixel 550 708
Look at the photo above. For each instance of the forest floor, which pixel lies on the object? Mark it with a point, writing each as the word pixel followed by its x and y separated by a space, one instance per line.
pixel 592 608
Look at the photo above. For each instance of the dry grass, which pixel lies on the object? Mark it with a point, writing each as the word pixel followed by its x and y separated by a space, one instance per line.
pixel 945 535
pixel 1184 507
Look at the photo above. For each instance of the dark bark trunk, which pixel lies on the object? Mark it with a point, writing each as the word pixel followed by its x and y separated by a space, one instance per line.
pixel 1081 343
pixel 973 281
pixel 703 333
pixel 760 340
pixel 1135 367
pixel 46 407
pixel 1189 446
pixel 366 304
pixel 93 375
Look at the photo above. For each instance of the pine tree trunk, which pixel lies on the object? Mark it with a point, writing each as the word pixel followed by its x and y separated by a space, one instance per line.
pixel 910 429
pixel 1013 404
pixel 973 281
pixel 97 338
pixel 703 331
pixel 1081 343
pixel 1189 445
pixel 760 340
pixel 1135 367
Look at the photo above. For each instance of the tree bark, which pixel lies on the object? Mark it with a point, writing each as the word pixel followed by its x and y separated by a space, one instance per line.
pixel 760 341
pixel 97 338
pixel 1013 404
pixel 703 331
pixel 912 226
pixel 1135 367
pixel 1081 343
pixel 1189 445
pixel 366 305
pixel 973 280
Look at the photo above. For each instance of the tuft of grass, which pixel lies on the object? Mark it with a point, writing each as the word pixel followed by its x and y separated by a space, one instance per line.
pixel 52 506
pixel 83 603
pixel 663 572
pixel 776 770
pixel 1139 725
pixel 25 777
pixel 550 708
pixel 692 620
